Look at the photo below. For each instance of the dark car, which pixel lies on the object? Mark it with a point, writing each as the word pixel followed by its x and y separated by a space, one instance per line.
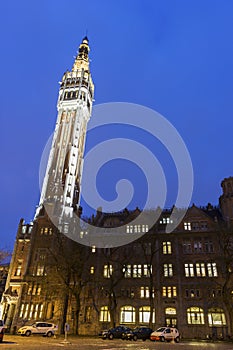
pixel 114 332
pixel 138 333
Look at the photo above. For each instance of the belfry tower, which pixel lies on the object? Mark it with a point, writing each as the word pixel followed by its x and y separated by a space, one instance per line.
pixel 62 182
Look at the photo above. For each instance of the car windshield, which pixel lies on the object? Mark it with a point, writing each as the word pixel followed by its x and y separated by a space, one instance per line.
pixel 161 329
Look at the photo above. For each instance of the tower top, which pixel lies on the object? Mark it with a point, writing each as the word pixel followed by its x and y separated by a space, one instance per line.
pixel 82 58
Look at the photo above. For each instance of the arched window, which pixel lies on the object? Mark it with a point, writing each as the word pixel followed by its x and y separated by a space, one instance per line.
pixel 104 314
pixel 216 317
pixel 127 314
pixel 170 311
pixel 144 315
pixel 195 315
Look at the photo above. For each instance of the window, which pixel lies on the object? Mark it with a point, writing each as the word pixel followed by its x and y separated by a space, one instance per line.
pixel 212 270
pixel 40 270
pixel 197 247
pixel 208 246
pixel 216 317
pixel 108 271
pixel 104 314
pixel 145 292
pixel 195 226
pixel 187 226
pixel 200 270
pixel 147 270
pixel 92 270
pixel 192 293
pixel 127 314
pixel 169 291
pixel 137 228
pixel 167 270
pixel 170 311
pixel 214 293
pixel 189 270
pixel 145 228
pixel 167 248
pixel 127 271
pixel 166 220
pixel 144 314
pixel 187 247
pixel 18 270
pixel 203 225
pixel 137 271
pixel 195 315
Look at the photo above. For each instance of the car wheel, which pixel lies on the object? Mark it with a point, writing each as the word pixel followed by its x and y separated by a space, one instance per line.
pixel 177 339
pixel 49 334
pixel 28 333
pixel 135 337
pixel 162 339
pixel 110 336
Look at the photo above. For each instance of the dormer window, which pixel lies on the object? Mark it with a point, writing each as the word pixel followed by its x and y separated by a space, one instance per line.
pixel 187 226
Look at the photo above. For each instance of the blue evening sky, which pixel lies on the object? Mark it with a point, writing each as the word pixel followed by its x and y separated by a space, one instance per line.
pixel 174 56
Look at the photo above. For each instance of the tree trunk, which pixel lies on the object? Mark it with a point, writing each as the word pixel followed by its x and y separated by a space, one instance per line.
pixel 64 313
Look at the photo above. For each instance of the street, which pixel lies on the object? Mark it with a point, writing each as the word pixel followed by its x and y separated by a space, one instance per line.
pixel 84 343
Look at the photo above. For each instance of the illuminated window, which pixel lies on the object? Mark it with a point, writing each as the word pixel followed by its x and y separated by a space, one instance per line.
pixel 21 310
pixel 144 314
pixel 24 228
pixel 127 271
pixel 40 270
pixel 200 270
pixel 93 249
pixel 104 314
pixel 18 270
pixel 212 270
pixel 167 248
pixel 187 226
pixel 167 270
pixel 137 271
pixel 166 221
pixel 92 270
pixel 127 314
pixel 145 228
pixel 147 270
pixel 195 315
pixel 170 311
pixel 216 317
pixel 189 270
pixel 108 271
pixel 169 291
pixel 145 292
pixel 41 311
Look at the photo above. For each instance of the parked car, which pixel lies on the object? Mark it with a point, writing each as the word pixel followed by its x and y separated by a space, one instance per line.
pixel 43 328
pixel 116 332
pixel 138 333
pixel 2 330
pixel 166 333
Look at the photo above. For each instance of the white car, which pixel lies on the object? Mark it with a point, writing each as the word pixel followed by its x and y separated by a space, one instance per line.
pixel 166 333
pixel 43 328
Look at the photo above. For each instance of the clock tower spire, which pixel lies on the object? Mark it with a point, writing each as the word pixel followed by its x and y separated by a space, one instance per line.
pixel 62 183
